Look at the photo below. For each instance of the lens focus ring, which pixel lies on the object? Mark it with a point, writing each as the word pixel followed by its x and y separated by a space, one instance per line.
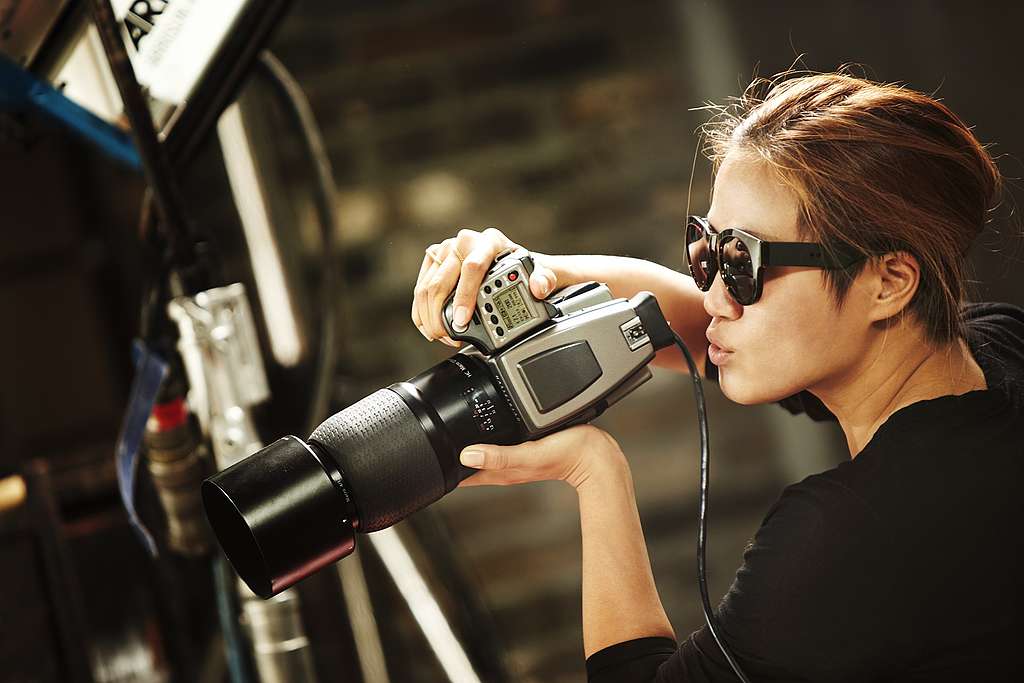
pixel 385 457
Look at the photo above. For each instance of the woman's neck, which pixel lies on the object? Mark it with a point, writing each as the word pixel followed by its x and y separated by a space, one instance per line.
pixel 902 368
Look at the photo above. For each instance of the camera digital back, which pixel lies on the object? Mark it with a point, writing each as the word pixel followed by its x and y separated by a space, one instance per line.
pixel 505 309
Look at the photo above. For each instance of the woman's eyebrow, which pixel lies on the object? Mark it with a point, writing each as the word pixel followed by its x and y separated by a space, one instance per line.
pixel 759 234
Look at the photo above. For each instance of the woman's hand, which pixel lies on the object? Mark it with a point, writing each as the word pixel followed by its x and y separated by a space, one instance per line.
pixel 465 259
pixel 572 455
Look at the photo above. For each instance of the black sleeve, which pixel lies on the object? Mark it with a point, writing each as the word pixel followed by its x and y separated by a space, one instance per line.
pixel 804 605
pixel 633 660
pixel 995 334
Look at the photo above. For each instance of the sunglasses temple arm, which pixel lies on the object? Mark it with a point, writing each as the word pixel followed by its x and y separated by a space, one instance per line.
pixel 802 254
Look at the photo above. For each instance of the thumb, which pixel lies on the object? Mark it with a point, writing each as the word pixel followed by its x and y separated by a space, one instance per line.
pixel 487 457
pixel 542 281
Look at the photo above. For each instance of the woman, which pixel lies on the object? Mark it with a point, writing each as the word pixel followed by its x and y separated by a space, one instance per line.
pixel 899 564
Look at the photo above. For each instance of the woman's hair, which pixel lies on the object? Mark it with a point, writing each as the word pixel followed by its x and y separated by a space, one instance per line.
pixel 876 167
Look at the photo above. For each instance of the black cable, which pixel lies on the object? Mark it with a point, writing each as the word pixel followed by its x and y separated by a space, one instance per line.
pixel 702 520
pixel 297 108
pixel 159 176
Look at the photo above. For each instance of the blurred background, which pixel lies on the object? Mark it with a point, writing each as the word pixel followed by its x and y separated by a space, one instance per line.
pixel 571 126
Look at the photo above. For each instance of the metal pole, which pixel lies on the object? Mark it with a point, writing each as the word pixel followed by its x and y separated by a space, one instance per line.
pixel 219 347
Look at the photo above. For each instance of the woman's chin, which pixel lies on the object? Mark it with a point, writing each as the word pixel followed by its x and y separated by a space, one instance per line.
pixel 746 391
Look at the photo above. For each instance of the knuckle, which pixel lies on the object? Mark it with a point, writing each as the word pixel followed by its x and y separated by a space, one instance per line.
pixel 464 243
pixel 498 461
pixel 494 234
pixel 474 264
pixel 435 283
pixel 419 291
pixel 595 435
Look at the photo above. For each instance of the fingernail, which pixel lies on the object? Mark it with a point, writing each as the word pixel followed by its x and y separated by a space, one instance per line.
pixel 472 458
pixel 461 317
pixel 422 331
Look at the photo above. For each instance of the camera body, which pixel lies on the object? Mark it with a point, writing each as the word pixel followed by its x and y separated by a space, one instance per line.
pixel 294 506
pixel 562 359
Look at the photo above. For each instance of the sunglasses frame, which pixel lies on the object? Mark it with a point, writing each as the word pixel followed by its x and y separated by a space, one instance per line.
pixel 762 254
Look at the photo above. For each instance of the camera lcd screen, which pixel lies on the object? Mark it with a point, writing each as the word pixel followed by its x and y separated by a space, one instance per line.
pixel 512 308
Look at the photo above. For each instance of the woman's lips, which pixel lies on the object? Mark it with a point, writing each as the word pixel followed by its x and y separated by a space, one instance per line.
pixel 718 355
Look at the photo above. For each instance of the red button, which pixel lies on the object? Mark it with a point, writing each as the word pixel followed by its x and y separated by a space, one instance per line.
pixel 513 276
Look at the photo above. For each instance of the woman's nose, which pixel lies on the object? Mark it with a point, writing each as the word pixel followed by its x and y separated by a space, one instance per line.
pixel 718 303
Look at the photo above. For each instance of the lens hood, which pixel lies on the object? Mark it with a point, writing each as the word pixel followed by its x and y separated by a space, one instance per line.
pixel 280 515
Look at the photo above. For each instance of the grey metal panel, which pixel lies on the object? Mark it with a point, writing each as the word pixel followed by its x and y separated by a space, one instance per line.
pixel 601 326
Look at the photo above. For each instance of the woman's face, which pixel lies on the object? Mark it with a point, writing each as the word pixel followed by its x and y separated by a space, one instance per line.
pixel 792 338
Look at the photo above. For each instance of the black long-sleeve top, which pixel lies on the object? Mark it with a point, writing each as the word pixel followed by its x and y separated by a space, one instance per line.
pixel 900 565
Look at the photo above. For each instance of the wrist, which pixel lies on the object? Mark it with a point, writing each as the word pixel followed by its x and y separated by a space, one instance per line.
pixel 611 471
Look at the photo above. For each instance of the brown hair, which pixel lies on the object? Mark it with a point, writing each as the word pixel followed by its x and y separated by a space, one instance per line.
pixel 876 167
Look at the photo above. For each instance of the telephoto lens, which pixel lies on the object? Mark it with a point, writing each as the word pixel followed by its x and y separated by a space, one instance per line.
pixel 293 507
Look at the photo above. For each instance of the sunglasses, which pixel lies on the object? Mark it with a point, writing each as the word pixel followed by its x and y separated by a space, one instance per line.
pixel 741 258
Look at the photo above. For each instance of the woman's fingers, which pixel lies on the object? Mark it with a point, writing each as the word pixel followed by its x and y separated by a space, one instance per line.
pixel 503 465
pixel 488 457
pixel 458 263
pixel 483 248
pixel 441 273
pixel 493 478
pixel 430 262
pixel 542 281
pixel 433 257
pixel 438 289
pixel 559 456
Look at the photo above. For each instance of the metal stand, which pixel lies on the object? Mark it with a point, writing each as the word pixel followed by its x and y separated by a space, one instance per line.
pixel 219 347
pixel 255 212
pixel 222 359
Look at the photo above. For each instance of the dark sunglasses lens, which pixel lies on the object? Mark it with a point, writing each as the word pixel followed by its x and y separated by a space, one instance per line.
pixel 698 255
pixel 738 270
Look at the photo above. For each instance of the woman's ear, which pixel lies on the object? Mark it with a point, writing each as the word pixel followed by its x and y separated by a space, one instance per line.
pixel 894 280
